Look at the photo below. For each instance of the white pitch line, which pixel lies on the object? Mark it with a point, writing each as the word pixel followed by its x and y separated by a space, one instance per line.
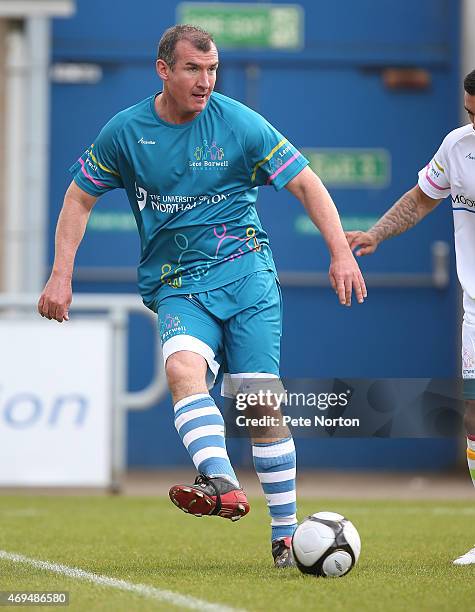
pixel 176 599
pixel 416 510
pixel 22 512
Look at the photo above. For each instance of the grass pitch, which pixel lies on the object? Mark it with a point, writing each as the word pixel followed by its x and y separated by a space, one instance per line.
pixel 405 564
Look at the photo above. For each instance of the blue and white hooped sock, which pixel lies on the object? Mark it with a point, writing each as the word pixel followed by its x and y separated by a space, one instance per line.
pixel 275 467
pixel 201 428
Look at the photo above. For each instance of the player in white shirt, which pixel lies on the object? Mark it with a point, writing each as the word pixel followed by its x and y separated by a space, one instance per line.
pixel 450 172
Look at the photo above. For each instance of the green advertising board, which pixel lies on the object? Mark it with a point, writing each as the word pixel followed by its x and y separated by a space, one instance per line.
pixel 247 25
pixel 305 226
pixel 352 168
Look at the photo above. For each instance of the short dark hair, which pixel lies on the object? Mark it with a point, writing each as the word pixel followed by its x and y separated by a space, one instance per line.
pixel 198 37
pixel 469 83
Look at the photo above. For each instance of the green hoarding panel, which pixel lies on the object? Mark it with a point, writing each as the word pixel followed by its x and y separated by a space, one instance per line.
pixel 252 25
pixel 352 168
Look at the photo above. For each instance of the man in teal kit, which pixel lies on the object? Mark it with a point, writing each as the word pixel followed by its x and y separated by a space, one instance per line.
pixel 191 161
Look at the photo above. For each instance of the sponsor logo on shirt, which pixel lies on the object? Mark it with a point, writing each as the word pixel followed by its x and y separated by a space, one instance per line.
pixel 141 195
pixel 149 142
pixel 89 162
pixel 463 200
pixel 175 203
pixel 208 155
pixel 470 156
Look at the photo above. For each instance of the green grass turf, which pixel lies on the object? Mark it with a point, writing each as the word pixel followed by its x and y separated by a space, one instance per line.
pixel 405 563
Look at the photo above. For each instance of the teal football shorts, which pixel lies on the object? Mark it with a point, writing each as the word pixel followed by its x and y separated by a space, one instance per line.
pixel 237 328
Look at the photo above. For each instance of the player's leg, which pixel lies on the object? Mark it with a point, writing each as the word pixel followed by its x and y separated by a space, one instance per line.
pixel 275 466
pixel 468 373
pixel 186 374
pixel 252 348
pixel 191 341
pixel 469 421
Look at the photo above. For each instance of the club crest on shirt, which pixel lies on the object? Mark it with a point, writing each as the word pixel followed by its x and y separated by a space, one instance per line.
pixel 207 155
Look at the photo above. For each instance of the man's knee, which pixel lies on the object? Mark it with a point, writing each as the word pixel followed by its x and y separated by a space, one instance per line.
pixel 185 367
pixel 469 416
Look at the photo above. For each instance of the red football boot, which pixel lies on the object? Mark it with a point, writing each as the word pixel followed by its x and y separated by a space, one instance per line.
pixel 210 496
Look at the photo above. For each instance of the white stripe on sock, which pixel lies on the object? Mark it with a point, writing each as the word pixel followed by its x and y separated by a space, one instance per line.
pixel 268 477
pixel 188 400
pixel 202 432
pixel 207 453
pixel 277 499
pixel 274 450
pixel 283 520
pixel 194 414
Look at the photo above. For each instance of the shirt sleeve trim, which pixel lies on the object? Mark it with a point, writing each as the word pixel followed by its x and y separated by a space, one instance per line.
pixel 283 167
pixel 85 187
pixel 431 182
pixel 101 166
pixel 266 159
pixel 300 163
pixel 88 176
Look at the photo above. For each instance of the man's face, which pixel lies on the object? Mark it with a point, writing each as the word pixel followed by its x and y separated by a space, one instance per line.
pixel 192 78
pixel 469 103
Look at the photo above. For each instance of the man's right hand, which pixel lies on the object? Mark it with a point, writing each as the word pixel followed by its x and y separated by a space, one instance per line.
pixel 57 295
pixel 365 242
pixel 56 298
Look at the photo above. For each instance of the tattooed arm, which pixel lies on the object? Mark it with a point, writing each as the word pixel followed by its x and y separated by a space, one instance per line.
pixel 404 214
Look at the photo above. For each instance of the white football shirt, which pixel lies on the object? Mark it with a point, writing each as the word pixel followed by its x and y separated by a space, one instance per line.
pixel 452 172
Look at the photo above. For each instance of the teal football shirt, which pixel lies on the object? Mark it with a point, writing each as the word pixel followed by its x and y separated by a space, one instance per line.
pixel 192 188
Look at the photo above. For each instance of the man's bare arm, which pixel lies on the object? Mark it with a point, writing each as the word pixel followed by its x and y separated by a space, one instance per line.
pixel 411 208
pixel 404 214
pixel 344 272
pixel 56 298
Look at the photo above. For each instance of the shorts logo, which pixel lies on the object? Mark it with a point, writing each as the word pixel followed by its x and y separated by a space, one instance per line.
pixel 468 361
pixel 206 156
pixel 170 326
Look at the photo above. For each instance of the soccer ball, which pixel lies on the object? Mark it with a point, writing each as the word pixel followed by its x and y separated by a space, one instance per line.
pixel 326 544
